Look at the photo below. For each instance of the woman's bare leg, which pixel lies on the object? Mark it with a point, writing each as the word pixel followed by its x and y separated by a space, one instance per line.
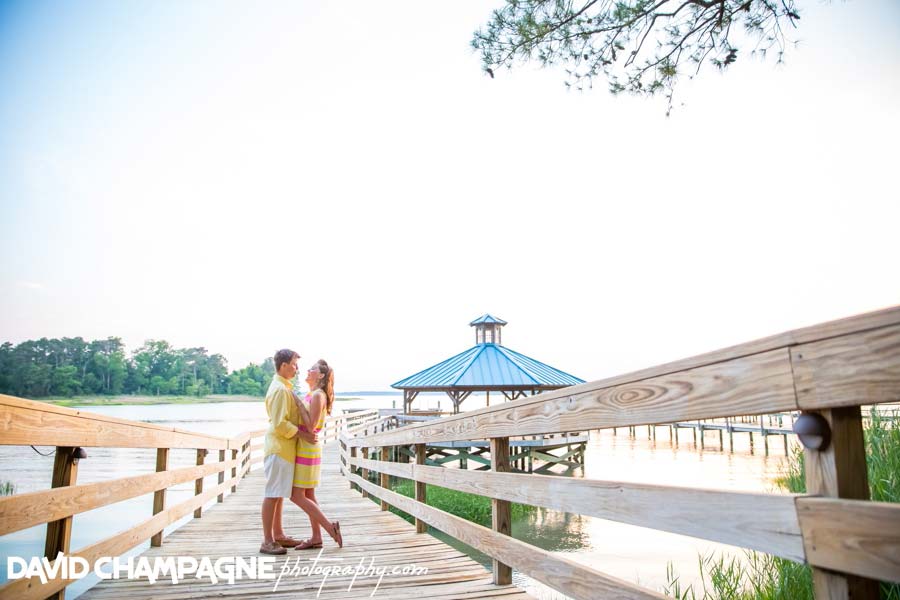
pixel 316 516
pixel 316 530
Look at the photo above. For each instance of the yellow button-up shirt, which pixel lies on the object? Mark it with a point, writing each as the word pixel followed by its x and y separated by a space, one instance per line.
pixel 283 419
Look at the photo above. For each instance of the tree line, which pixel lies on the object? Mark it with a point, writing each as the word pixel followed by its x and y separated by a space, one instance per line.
pixel 74 366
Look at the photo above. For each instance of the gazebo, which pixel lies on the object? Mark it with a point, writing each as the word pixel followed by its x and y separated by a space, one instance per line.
pixel 487 367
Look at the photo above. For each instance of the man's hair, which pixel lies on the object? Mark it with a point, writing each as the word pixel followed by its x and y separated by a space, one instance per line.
pixel 284 356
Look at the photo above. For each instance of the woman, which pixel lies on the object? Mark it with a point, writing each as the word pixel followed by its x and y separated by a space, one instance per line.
pixel 307 467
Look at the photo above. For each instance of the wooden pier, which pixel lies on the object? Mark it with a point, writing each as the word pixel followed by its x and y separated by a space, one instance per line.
pixel 552 454
pixel 369 533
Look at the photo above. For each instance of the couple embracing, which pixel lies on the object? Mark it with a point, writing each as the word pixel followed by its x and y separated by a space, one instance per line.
pixel 293 452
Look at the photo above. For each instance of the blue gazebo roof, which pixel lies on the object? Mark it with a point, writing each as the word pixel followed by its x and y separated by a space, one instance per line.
pixel 488 366
pixel 486 318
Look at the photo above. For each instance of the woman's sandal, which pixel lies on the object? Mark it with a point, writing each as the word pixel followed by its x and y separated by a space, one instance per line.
pixel 337 534
pixel 307 544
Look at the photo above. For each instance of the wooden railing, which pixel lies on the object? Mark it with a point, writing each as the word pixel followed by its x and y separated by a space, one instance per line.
pixel 337 423
pixel 830 369
pixel 24 422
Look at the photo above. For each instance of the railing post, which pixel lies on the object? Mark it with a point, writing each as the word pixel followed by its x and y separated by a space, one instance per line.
pixel 352 468
pixel 234 455
pixel 159 496
pixel 245 449
pixel 500 509
pixel 198 483
pixel 385 478
pixel 221 497
pixel 421 526
pixel 59 533
pixel 365 472
pixel 839 471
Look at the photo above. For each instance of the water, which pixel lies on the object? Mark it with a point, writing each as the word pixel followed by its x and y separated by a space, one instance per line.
pixel 631 553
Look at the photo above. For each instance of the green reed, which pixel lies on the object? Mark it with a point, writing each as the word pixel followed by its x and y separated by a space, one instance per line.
pixel 764 577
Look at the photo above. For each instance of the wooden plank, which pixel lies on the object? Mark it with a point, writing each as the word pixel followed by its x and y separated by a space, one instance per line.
pixel 32 589
pixel 764 522
pixel 852 536
pixel 21 511
pixel 761 383
pixel 421 493
pixel 839 471
pixel 562 574
pixel 501 518
pixel 24 422
pixel 159 496
pixel 863 368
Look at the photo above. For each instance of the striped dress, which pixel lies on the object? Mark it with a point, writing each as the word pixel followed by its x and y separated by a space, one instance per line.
pixel 308 463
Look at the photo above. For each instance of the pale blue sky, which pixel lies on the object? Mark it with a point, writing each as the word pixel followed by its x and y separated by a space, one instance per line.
pixel 342 178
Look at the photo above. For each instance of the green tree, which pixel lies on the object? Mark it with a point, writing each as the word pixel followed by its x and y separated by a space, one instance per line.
pixel 641 47
pixel 65 381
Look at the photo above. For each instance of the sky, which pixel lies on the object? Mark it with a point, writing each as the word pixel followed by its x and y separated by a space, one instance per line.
pixel 344 180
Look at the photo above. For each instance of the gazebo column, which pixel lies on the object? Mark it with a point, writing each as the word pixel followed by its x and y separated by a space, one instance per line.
pixel 408 397
pixel 457 396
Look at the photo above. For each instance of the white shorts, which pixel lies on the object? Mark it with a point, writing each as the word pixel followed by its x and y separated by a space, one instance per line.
pixel 279 477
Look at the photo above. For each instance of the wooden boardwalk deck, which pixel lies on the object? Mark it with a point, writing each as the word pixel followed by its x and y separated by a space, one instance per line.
pixel 233 528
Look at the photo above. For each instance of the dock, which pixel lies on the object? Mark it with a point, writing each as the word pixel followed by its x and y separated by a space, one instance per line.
pixel 233 528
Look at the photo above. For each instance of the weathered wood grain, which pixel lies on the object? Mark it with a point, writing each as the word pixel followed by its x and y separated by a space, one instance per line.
pixel 25 422
pixel 853 536
pixel 839 470
pixel 862 368
pixel 501 510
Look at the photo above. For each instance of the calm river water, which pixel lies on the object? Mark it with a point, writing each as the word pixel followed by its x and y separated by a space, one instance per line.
pixel 631 553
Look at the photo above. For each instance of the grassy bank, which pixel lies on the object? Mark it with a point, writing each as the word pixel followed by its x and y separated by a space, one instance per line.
pixel 138 400
pixel 764 577
pixel 141 400
pixel 468 506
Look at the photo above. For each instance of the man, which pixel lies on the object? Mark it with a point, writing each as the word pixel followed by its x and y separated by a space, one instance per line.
pixel 280 451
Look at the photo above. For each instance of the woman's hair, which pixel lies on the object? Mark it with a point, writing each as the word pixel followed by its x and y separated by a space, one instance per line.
pixel 327 384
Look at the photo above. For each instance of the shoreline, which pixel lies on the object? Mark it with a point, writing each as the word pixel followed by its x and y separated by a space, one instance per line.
pixel 77 401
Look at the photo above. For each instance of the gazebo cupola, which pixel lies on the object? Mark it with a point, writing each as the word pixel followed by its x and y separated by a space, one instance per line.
pixel 487 367
pixel 487 329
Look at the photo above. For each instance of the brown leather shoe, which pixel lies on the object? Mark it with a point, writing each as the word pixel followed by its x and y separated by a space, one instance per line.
pixel 287 542
pixel 272 548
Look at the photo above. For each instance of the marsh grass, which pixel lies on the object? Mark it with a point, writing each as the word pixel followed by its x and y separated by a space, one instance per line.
pixel 468 506
pixel 7 488
pixel 764 577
